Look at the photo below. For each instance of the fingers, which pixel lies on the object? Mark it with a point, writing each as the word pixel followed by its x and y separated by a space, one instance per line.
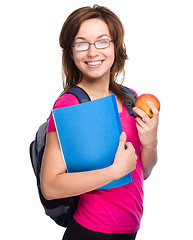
pixel 122 140
pixel 123 136
pixel 130 148
pixel 129 145
pixel 143 117
pixel 123 143
pixel 141 114
pixel 132 154
pixel 153 109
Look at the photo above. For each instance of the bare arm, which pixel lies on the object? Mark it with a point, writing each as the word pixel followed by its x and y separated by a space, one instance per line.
pixel 57 183
pixel 147 130
pixel 149 160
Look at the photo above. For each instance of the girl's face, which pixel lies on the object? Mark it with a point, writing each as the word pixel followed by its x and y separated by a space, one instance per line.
pixel 94 63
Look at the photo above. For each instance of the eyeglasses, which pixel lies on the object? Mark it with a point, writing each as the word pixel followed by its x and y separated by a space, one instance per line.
pixel 84 46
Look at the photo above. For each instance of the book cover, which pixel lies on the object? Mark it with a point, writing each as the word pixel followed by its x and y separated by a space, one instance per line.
pixel 89 136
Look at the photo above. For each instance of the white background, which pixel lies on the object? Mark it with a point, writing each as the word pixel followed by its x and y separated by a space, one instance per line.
pixel 159 43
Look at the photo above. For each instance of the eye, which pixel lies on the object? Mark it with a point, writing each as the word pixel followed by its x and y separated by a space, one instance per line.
pixel 102 43
pixel 81 45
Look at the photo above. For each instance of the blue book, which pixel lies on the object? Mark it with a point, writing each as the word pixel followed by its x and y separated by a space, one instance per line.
pixel 89 136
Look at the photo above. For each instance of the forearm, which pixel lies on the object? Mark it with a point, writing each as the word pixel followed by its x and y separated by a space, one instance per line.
pixel 56 183
pixel 149 159
pixel 72 184
pixel 147 130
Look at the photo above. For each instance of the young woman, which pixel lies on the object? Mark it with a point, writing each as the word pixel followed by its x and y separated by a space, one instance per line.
pixel 93 56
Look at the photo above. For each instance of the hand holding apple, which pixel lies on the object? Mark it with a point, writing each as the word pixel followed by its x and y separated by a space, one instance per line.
pixel 142 100
pixel 147 108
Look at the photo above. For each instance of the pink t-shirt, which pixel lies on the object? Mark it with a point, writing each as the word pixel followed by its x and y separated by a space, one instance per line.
pixel 117 210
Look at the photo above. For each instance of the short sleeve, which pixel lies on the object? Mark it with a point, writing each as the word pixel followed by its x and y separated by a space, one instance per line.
pixel 66 100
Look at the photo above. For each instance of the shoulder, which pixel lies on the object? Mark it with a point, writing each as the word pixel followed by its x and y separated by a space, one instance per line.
pixel 129 90
pixel 66 100
pixel 135 93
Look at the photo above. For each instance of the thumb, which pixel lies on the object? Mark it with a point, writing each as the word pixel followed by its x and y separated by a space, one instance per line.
pixel 122 139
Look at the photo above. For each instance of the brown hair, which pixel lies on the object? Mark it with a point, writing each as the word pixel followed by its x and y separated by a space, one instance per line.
pixel 69 31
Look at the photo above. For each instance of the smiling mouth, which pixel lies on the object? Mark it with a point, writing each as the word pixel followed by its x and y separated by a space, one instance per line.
pixel 94 63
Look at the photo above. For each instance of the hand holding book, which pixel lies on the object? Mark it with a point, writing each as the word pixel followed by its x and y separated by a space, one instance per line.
pixel 125 157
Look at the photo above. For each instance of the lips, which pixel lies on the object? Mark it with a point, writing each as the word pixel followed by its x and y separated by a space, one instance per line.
pixel 94 63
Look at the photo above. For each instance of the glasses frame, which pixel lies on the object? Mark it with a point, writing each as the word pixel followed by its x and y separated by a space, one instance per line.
pixel 89 44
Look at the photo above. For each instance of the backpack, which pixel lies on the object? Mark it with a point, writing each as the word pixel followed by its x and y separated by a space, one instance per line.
pixel 62 210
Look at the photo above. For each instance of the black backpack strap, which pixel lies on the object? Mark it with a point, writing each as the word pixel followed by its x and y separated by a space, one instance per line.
pixel 79 93
pixel 82 97
pixel 130 101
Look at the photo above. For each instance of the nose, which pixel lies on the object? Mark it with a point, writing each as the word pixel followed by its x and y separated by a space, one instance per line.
pixel 92 51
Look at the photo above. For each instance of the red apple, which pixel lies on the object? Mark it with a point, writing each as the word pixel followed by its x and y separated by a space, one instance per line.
pixel 141 103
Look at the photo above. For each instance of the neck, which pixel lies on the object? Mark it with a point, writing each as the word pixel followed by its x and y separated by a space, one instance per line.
pixel 96 88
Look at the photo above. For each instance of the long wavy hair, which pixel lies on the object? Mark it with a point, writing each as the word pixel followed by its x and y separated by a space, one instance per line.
pixel 71 74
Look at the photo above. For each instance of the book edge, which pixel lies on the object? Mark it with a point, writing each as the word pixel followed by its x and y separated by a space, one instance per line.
pixel 116 113
pixel 59 138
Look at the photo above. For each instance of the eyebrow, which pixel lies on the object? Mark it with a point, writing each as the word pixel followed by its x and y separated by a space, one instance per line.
pixel 82 38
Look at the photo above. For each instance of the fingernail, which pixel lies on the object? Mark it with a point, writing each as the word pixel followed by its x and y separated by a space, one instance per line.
pixel 123 134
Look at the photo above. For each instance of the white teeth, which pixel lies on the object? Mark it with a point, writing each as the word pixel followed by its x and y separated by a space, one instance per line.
pixel 94 63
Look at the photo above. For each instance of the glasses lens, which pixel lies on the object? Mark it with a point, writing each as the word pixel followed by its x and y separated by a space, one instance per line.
pixel 102 44
pixel 81 46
